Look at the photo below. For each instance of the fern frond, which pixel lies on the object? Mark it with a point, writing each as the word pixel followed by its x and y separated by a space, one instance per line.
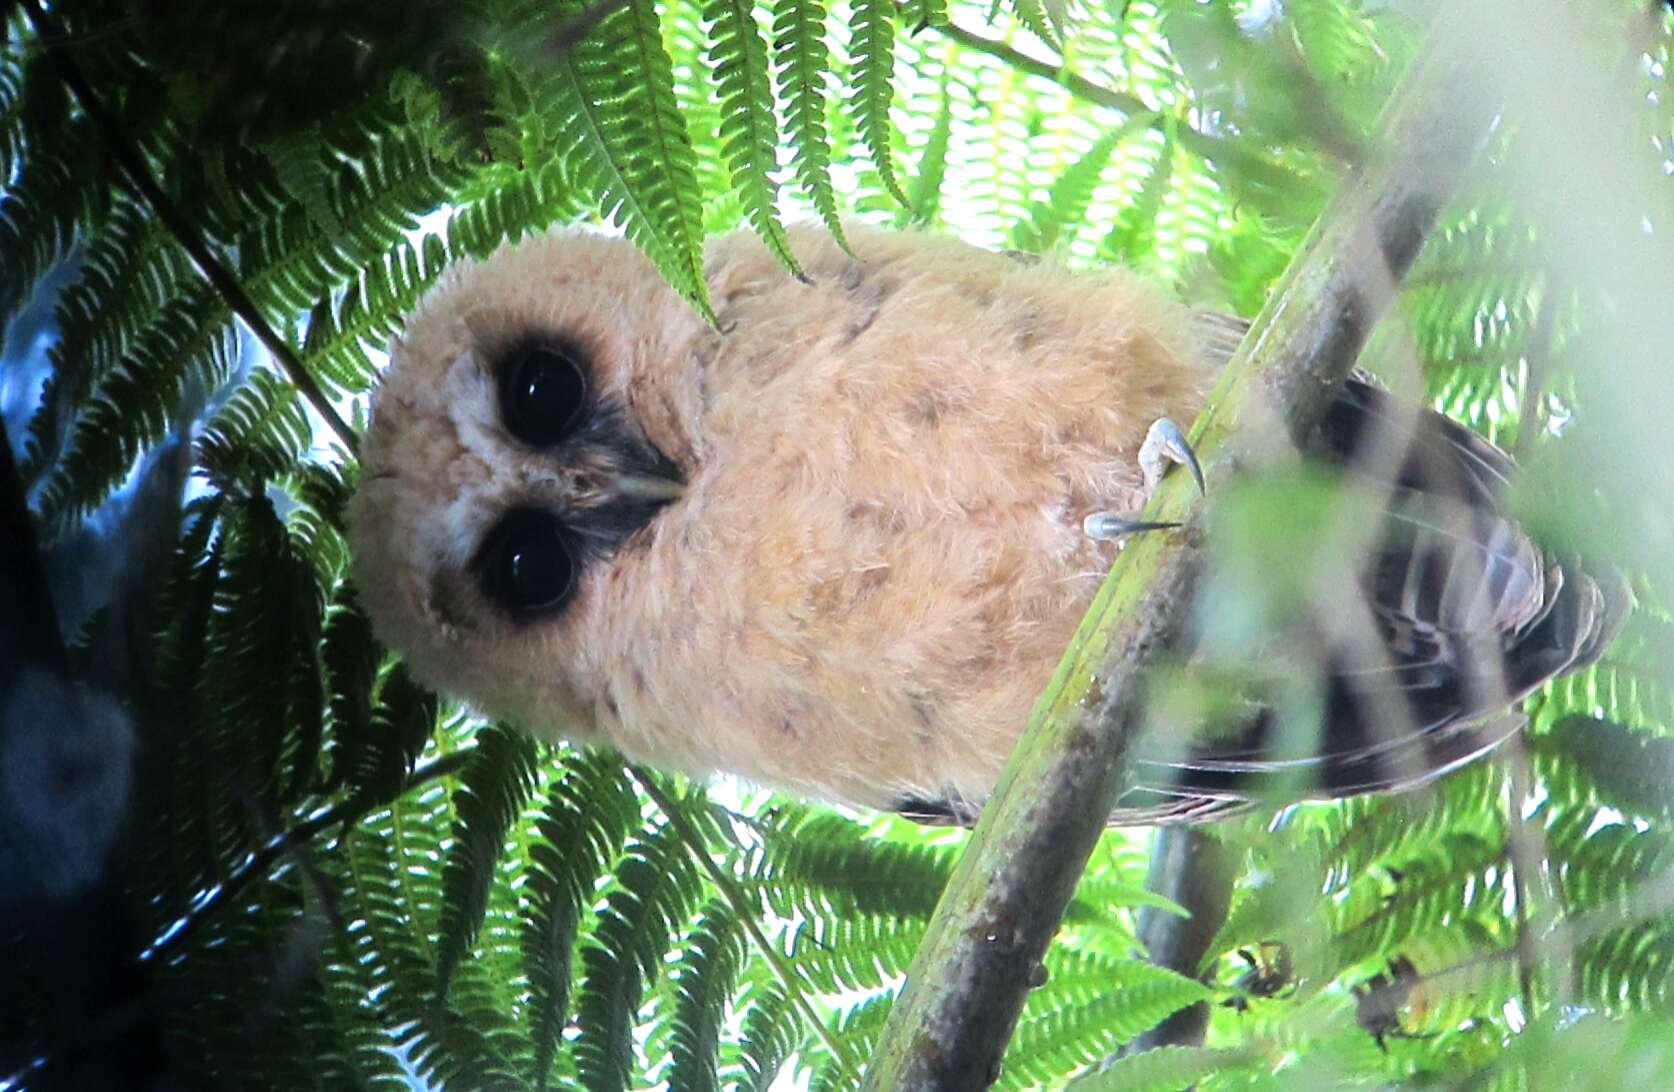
pixel 1596 862
pixel 126 273
pixel 624 136
pixel 135 405
pixel 349 658
pixel 801 68
pixel 402 722
pixel 704 983
pixel 1108 1002
pixel 398 905
pixel 491 792
pixel 656 890
pixel 772 1033
pixel 55 188
pixel 831 868
pixel 844 952
pixel 1066 202
pixel 749 133
pixel 259 434
pixel 1633 684
pixel 179 786
pixel 1443 891
pixel 1130 239
pixel 924 192
pixel 1631 770
pixel 1166 1069
pixel 1629 969
pixel 591 808
pixel 1035 15
pixel 872 80
pixel 857 1029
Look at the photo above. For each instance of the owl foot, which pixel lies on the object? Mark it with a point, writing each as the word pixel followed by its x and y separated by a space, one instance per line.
pixel 1108 526
pixel 1165 443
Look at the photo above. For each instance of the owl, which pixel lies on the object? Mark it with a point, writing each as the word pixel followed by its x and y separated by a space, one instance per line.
pixel 836 542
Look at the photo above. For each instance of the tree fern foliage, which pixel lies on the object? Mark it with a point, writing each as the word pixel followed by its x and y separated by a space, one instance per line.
pixel 347 883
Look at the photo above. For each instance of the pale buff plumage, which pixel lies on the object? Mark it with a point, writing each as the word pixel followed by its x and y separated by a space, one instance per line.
pixel 879 556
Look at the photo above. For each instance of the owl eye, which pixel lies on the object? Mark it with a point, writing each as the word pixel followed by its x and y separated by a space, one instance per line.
pixel 526 565
pixel 542 391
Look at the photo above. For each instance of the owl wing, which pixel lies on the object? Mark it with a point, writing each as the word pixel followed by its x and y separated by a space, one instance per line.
pixel 1469 613
pixel 1470 616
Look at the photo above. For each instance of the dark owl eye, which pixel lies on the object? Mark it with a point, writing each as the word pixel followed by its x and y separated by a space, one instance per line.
pixel 526 564
pixel 541 393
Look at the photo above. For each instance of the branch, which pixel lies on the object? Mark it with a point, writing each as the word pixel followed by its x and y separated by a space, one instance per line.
pixel 1196 871
pixel 949 1028
pixel 186 233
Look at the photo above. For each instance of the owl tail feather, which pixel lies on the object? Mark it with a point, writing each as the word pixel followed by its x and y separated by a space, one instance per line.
pixel 1467 616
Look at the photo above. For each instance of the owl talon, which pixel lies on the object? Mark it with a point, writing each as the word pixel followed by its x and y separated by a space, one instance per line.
pixel 1165 443
pixel 1108 526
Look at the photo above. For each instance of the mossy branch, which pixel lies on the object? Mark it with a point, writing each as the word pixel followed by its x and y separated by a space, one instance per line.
pixel 968 982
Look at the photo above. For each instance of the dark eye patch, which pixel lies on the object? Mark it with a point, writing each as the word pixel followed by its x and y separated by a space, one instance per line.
pixel 543 391
pixel 528 563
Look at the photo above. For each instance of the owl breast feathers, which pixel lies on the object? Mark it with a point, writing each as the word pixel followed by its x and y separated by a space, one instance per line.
pixel 834 543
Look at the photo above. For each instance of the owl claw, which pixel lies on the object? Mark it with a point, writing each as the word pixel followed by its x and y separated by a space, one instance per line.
pixel 1108 526
pixel 1165 443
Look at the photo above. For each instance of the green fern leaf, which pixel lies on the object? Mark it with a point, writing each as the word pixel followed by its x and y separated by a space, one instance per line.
pixel 1166 1069
pixel 1629 969
pixel 1108 1002
pixel 858 1030
pixel 259 434
pixel 134 405
pixel 842 952
pixel 656 890
pixel 1034 15
pixel 349 657
pixel 772 1033
pixel 749 134
pixel 263 638
pixel 801 68
pixel 1132 238
pixel 491 793
pixel 704 984
pixel 1066 203
pixel 402 722
pixel 872 53
pixel 1632 770
pixel 128 270
pixel 591 808
pixel 924 192
pixel 831 868
pixel 623 134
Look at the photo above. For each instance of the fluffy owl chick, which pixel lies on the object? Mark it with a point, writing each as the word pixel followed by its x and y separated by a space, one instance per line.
pixel 835 544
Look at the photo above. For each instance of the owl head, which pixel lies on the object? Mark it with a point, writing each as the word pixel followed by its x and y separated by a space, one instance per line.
pixel 529 429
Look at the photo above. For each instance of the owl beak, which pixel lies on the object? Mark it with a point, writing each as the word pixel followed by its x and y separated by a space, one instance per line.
pixel 646 487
